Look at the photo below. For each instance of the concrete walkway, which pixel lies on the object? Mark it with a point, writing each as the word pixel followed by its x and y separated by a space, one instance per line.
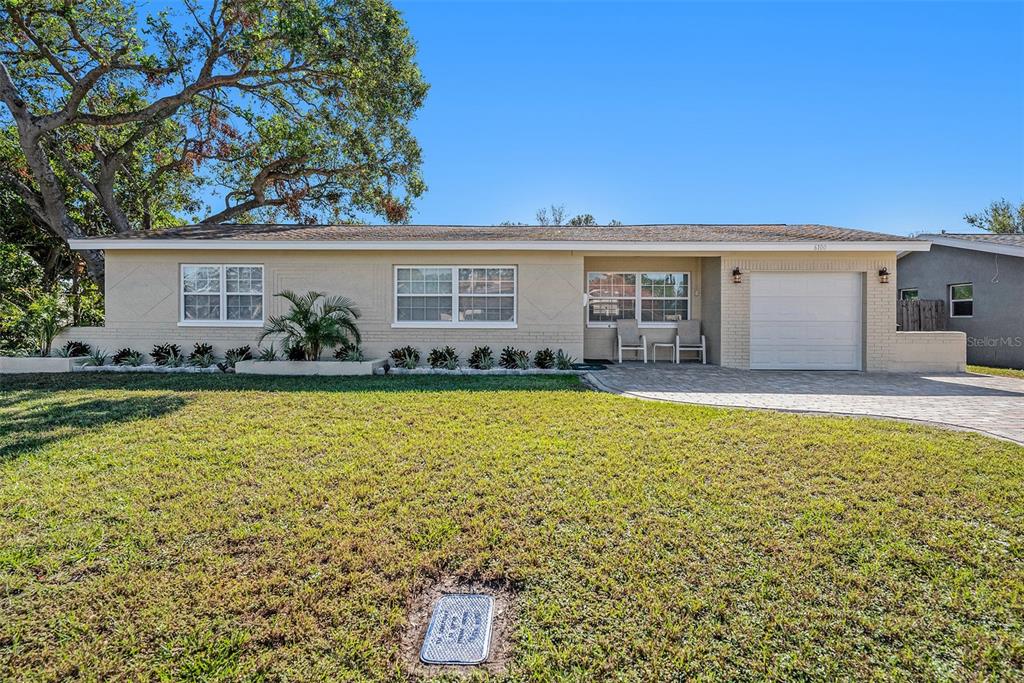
pixel 981 403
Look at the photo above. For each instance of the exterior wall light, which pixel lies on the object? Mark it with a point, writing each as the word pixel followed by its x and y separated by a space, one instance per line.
pixel 883 275
pixel 737 275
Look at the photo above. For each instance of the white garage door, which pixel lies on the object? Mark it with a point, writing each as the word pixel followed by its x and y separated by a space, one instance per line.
pixel 805 321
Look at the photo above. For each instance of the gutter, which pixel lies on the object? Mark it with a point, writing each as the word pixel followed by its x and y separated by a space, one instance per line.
pixel 96 243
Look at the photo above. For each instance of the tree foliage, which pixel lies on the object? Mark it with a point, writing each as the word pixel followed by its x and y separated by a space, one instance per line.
pixel 555 217
pixel 1000 217
pixel 294 109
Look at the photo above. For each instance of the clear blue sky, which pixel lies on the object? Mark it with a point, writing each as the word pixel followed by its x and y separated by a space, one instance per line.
pixel 897 117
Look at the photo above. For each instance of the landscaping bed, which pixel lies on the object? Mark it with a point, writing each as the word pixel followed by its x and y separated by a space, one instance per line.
pixel 240 527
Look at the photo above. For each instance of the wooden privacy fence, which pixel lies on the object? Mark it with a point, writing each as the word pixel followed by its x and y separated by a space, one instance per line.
pixel 920 315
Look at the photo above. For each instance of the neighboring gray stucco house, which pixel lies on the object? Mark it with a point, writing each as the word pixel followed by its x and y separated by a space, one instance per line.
pixel 767 296
pixel 981 279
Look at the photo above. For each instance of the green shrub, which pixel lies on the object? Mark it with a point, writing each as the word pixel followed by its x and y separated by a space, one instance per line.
pixel 406 356
pixel 446 358
pixel 97 358
pixel 544 359
pixel 352 354
pixel 481 358
pixel 200 350
pixel 202 360
pixel 168 354
pixel 74 349
pixel 233 356
pixel 564 361
pixel 128 356
pixel 513 358
pixel 268 354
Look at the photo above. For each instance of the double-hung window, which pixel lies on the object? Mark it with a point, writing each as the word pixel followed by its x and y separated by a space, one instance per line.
pixel 455 296
pixel 218 294
pixel 961 300
pixel 653 299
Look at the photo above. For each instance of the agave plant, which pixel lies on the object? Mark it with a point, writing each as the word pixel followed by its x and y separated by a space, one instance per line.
pixel 201 360
pixel 446 358
pixel 128 356
pixel 351 354
pixel 315 322
pixel 74 349
pixel 481 358
pixel 513 358
pixel 544 359
pixel 168 354
pixel 96 357
pixel 268 354
pixel 563 361
pixel 200 350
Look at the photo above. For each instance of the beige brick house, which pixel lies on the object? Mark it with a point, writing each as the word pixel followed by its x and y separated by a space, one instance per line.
pixel 767 296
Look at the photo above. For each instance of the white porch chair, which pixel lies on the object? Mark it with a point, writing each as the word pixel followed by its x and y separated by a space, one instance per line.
pixel 689 338
pixel 628 338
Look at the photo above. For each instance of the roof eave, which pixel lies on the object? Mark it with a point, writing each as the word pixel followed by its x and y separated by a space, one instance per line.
pixel 978 245
pixel 93 244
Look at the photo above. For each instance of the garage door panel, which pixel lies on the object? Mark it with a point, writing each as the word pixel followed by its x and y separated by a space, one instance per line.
pixel 838 333
pixel 806 321
pixel 772 308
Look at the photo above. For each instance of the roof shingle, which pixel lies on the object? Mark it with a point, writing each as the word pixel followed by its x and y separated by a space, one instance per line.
pixel 414 233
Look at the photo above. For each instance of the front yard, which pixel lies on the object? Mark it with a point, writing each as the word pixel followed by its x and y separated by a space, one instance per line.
pixel 205 527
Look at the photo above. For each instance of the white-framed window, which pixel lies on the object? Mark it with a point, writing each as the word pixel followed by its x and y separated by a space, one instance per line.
pixel 221 294
pixel 909 294
pixel 961 300
pixel 653 299
pixel 455 296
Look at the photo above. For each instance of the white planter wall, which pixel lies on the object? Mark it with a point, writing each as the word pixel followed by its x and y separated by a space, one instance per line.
pixel 21 365
pixel 307 367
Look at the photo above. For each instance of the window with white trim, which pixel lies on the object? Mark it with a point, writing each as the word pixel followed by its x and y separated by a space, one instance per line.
pixel 653 299
pixel 221 294
pixel 961 300
pixel 909 294
pixel 455 296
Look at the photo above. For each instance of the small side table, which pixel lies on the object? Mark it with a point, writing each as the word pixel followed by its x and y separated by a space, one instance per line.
pixel 667 345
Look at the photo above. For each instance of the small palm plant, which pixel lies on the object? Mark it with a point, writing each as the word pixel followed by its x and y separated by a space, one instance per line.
pixel 315 322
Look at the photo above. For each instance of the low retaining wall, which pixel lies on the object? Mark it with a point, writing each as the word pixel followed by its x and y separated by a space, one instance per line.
pixel 22 365
pixel 308 367
pixel 472 371
pixel 928 352
pixel 163 369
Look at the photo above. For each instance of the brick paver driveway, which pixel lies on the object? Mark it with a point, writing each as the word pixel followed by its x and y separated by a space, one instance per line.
pixel 982 403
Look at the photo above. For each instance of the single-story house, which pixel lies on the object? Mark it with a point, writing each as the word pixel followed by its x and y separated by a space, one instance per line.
pixel 980 277
pixel 767 296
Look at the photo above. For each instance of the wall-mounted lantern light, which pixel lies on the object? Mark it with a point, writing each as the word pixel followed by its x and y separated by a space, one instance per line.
pixel 737 275
pixel 883 275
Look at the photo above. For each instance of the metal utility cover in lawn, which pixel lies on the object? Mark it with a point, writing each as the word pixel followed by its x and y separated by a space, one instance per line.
pixel 459 630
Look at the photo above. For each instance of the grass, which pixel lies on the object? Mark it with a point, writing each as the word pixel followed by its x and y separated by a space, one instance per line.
pixel 247 528
pixel 1004 372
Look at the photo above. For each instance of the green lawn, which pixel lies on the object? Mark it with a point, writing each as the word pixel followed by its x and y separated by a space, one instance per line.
pixel 246 528
pixel 1005 372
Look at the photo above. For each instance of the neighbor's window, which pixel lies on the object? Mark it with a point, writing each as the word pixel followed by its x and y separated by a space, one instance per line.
pixel 961 300
pixel 222 294
pixel 658 299
pixel 453 296
pixel 908 294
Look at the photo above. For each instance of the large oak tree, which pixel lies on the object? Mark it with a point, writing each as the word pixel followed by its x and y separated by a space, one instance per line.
pixel 280 109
